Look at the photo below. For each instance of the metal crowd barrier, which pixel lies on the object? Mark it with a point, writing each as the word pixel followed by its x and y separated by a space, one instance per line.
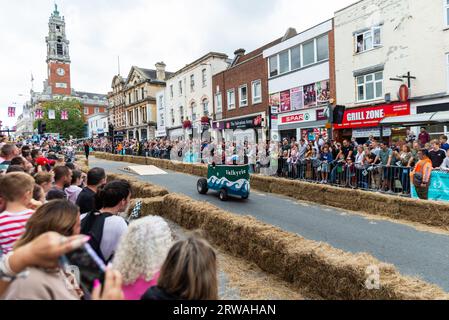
pixel 379 178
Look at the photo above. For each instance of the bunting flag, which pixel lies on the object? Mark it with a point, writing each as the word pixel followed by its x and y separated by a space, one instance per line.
pixel 11 112
pixel 39 114
pixel 51 114
pixel 64 115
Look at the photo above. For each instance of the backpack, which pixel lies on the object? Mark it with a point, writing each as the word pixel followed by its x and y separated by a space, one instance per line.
pixel 92 225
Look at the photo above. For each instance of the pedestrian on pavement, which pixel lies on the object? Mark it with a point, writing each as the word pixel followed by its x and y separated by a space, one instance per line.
pixel 96 177
pixel 188 273
pixel 421 174
pixel 86 149
pixel 141 253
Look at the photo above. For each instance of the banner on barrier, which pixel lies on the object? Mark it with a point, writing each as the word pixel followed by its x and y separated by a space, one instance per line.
pixel 439 187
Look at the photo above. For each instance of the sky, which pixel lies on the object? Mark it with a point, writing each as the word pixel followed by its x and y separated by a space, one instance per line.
pixel 141 32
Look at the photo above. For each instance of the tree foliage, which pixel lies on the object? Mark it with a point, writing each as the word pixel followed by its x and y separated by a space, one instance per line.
pixel 74 126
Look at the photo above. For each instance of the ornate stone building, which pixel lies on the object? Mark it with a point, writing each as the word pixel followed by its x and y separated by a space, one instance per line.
pixel 140 100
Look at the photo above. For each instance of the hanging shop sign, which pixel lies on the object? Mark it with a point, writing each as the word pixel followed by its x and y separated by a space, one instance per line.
pixel 371 116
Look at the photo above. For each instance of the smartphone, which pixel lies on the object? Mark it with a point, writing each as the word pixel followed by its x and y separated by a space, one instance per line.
pixel 89 266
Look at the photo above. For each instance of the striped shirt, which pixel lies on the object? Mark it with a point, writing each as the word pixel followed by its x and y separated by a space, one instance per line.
pixel 12 227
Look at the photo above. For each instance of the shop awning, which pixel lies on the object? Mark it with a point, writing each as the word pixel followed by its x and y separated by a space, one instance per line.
pixel 417 119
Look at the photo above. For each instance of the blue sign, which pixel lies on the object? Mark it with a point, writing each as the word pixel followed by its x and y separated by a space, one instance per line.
pixel 439 187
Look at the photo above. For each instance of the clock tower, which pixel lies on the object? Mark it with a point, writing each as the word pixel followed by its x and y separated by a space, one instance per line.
pixel 58 59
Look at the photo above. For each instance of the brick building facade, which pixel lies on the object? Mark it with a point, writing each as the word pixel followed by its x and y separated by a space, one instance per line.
pixel 241 97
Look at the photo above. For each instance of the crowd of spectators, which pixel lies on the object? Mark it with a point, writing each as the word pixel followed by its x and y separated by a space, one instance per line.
pixel 49 208
pixel 375 165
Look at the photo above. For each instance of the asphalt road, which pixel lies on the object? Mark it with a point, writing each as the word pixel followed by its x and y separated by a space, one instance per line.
pixel 415 253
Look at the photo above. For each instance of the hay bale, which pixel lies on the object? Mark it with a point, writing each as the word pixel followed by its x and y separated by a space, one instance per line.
pixel 310 265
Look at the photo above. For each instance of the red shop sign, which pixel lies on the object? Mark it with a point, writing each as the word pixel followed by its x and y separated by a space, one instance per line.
pixel 371 116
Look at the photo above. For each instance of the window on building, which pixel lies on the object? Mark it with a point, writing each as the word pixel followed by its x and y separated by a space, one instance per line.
pixel 257 91
pixel 205 107
pixel 142 93
pixel 180 87
pixel 218 103
pixel 129 98
pixel 171 91
pixel 86 110
pixel 368 40
pixel 446 12
pixel 192 83
pixel 231 99
pixel 181 113
pixel 59 47
pixel 193 110
pixel 370 86
pixel 204 77
pixel 172 115
pixel 136 95
pixel 284 62
pixel 447 70
pixel 273 61
pixel 97 110
pixel 322 48
pixel 144 114
pixel 295 58
pixel 243 96
pixel 308 53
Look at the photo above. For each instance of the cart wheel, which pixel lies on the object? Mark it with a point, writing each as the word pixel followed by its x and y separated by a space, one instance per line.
pixel 246 196
pixel 223 195
pixel 202 186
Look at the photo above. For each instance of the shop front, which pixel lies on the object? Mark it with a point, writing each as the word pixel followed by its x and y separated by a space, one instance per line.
pixel 175 134
pixel 361 123
pixel 249 128
pixel 306 124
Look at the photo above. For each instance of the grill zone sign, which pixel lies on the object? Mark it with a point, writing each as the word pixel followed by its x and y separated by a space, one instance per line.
pixel 298 117
pixel 371 116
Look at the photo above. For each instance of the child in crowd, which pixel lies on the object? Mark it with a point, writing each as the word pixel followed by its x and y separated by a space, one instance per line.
pixel 45 180
pixel 17 190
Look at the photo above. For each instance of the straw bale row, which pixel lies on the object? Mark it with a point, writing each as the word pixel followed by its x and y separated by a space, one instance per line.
pixel 312 266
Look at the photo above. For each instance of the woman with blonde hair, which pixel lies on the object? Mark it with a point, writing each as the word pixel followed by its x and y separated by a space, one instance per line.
pixel 141 253
pixel 188 273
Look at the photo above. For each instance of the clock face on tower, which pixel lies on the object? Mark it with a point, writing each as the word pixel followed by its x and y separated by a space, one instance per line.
pixel 60 72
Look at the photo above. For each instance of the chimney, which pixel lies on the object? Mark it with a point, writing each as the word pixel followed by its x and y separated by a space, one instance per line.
pixel 237 55
pixel 290 33
pixel 160 71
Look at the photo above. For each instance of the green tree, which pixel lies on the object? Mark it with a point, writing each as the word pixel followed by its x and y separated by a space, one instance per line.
pixel 74 126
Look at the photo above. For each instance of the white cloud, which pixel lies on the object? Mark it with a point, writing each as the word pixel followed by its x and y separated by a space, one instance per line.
pixel 142 32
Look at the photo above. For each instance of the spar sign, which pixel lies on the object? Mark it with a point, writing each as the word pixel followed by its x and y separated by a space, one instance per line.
pixel 371 116
pixel 305 116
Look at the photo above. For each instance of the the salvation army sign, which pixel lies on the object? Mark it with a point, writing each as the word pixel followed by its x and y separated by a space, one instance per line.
pixel 296 117
pixel 371 116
